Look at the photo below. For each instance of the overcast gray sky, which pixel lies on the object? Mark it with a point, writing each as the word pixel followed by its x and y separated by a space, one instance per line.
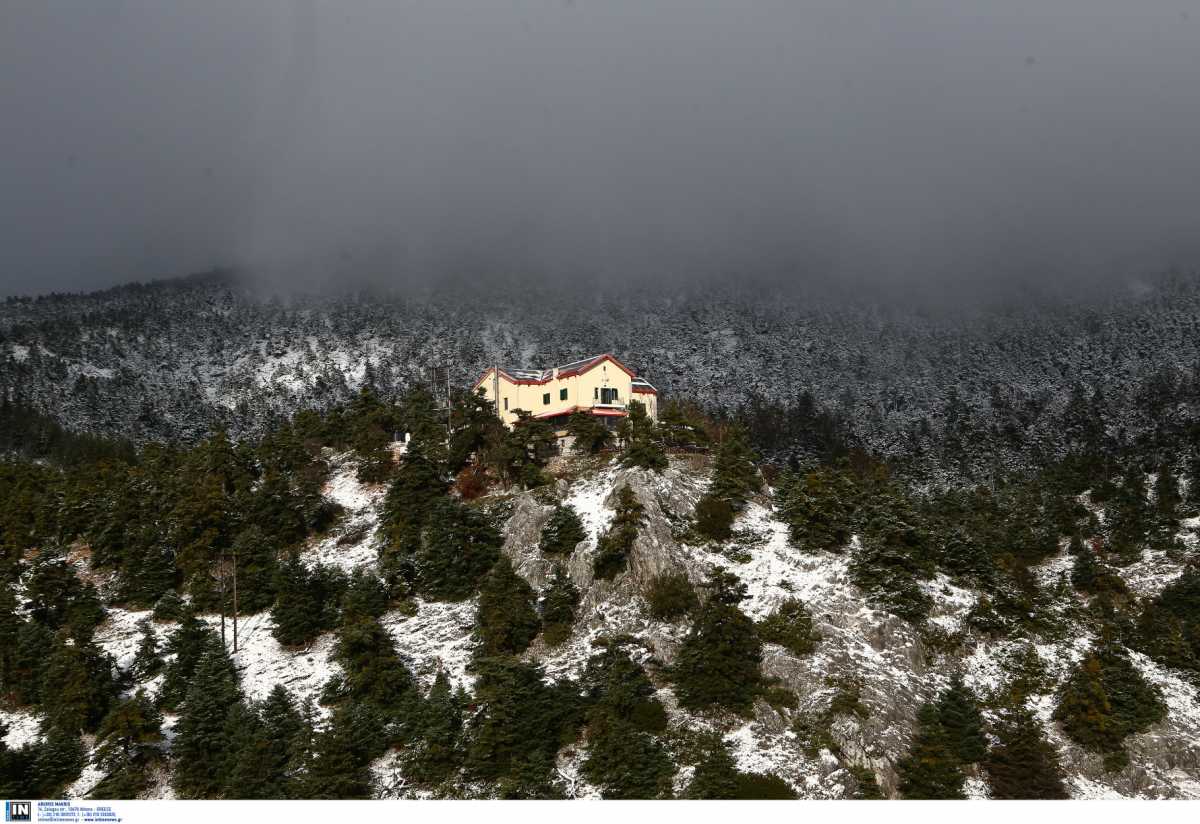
pixel 942 143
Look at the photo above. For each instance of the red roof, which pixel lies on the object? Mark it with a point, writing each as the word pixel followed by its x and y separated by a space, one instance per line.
pixel 567 371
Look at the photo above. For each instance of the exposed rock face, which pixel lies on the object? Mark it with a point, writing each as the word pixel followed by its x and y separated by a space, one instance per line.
pixel 862 650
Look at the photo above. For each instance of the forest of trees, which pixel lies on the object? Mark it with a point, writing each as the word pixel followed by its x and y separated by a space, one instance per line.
pixel 167 526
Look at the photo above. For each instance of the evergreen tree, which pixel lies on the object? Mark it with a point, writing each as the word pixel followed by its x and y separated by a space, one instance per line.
pixel 507 621
pixel 714 518
pixel 671 596
pixel 203 741
pixel 643 446
pixel 1105 700
pixel 589 434
pixel 1022 764
pixel 438 752
pixel 305 602
pixel 186 646
pixel 614 546
pixel 373 674
pixel 893 556
pixel 340 767
pixel 78 686
pixel 735 475
pixel 525 450
pixel 790 626
pixel 365 595
pixel 147 661
pixel 682 426
pixel 459 546
pixel 127 744
pixel 562 532
pixel 419 485
pixel 475 430
pixel 819 510
pixel 57 761
pixel 962 722
pixel 558 604
pixel 930 770
pixel 717 778
pixel 256 570
pixel 718 663
pixel 520 724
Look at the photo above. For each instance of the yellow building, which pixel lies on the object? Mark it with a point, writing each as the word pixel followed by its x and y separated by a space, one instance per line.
pixel 600 385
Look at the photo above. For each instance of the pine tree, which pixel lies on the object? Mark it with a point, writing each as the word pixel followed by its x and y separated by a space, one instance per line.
pixel 930 770
pixel 614 546
pixel 962 721
pixel 558 604
pixel 643 445
pixel 1022 764
pixel 78 686
pixel 1106 700
pixel 58 760
pixel 340 766
pixel 625 762
pixel 127 744
pixel 562 532
pixel 507 621
pixel 147 661
pixel 819 510
pixel 718 663
pixel 186 646
pixel 256 568
pixel 589 434
pixel 520 724
pixel 419 485
pixel 438 752
pixel 735 475
pixel 459 546
pixel 203 741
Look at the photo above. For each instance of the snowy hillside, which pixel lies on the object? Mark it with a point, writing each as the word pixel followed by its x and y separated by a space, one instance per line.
pixel 881 657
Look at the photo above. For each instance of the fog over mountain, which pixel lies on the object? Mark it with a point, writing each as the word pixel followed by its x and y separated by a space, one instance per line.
pixel 929 147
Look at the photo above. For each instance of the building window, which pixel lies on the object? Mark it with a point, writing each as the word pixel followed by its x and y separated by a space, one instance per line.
pixel 546 399
pixel 506 404
pixel 562 394
pixel 596 395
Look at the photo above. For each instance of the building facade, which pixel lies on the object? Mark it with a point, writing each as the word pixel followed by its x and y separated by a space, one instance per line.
pixel 600 386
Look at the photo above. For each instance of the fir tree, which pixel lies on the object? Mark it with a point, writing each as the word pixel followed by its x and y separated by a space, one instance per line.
pixel 438 752
pixel 962 722
pixel 589 434
pixel 717 778
pixel 819 510
pixel 735 475
pixel 614 546
pixel 893 556
pixel 127 744
pixel 718 663
pixel 256 568
pixel 643 446
pixel 930 770
pixel 458 548
pixel 77 687
pixel 147 661
pixel 520 725
pixel 58 760
pixel 419 485
pixel 340 766
pixel 187 645
pixel 558 604
pixel 203 741
pixel 1022 764
pixel 714 518
pixel 1105 700
pixel 507 620
pixel 373 674
pixel 305 602
pixel 562 532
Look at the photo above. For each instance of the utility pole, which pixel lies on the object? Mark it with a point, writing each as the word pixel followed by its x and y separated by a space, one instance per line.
pixel 496 389
pixel 235 604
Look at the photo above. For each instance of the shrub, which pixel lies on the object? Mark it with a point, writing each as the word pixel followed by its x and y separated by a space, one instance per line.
pixel 714 518
pixel 790 626
pixel 562 532
pixel 671 596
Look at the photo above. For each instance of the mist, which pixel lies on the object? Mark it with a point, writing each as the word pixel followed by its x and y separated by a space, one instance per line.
pixel 933 146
